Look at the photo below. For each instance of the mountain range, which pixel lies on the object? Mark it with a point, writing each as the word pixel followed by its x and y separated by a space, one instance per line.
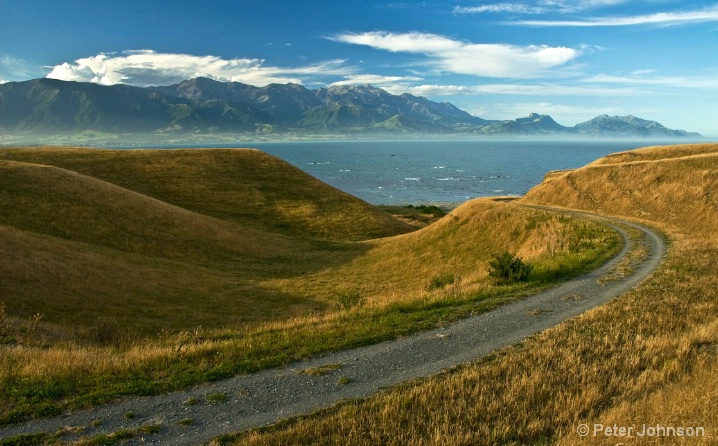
pixel 203 106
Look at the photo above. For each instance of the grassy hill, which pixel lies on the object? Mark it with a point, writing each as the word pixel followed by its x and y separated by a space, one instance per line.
pixel 649 356
pixel 241 186
pixel 675 186
pixel 156 269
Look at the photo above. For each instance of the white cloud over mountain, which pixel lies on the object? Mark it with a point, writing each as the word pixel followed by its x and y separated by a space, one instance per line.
pixel 459 57
pixel 146 67
pixel 376 80
pixel 13 68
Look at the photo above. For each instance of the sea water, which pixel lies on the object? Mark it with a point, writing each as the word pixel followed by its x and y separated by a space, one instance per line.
pixel 422 172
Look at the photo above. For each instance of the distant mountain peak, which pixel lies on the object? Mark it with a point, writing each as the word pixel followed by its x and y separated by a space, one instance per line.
pixel 204 105
pixel 627 126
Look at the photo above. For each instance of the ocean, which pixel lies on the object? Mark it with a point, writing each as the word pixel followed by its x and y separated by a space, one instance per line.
pixel 426 172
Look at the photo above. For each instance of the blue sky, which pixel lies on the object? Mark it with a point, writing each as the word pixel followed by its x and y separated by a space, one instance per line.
pixel 656 59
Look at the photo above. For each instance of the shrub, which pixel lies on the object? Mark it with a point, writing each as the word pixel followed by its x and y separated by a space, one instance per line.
pixel 441 281
pixel 508 268
pixel 349 300
pixel 433 210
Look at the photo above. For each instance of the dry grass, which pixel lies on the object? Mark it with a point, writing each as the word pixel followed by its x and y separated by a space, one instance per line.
pixel 237 260
pixel 459 245
pixel 648 357
pixel 242 186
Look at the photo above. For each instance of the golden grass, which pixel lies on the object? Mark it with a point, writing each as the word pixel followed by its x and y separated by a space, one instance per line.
pixel 168 267
pixel 78 248
pixel 242 186
pixel 678 193
pixel 460 245
pixel 648 357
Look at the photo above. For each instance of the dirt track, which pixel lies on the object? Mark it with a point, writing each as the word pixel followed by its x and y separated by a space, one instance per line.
pixel 254 400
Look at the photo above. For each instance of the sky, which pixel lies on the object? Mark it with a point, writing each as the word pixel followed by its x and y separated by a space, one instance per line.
pixel 571 59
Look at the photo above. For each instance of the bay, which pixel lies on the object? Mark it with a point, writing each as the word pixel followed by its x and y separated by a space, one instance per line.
pixel 433 171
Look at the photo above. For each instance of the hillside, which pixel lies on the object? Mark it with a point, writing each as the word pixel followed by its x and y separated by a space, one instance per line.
pixel 140 271
pixel 245 186
pixel 166 231
pixel 674 186
pixel 648 355
pixel 670 323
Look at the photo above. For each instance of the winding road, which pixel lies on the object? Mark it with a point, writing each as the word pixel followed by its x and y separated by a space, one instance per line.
pixel 272 395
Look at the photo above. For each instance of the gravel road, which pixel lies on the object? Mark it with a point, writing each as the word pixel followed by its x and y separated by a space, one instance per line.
pixel 262 398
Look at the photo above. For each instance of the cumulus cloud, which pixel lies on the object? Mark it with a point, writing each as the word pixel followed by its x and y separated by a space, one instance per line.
pixel 709 14
pixel 485 60
pixel 146 67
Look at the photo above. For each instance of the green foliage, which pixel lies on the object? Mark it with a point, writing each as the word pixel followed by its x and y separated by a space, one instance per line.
pixel 219 397
pixel 431 209
pixel 343 380
pixel 347 301
pixel 507 268
pixel 441 282
pixel 22 440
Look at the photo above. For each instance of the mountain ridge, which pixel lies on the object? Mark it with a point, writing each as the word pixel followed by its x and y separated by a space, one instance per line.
pixel 203 106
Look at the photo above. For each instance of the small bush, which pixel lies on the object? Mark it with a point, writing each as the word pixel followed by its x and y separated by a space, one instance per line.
pixel 507 268
pixel 347 301
pixel 440 281
pixel 433 210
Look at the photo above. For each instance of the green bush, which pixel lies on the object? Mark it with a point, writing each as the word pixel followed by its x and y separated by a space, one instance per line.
pixel 433 210
pixel 507 268
pixel 440 282
pixel 349 300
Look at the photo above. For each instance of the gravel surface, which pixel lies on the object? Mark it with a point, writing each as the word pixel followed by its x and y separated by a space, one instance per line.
pixel 262 398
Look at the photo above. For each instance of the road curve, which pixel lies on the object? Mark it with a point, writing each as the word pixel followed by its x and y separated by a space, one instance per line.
pixel 271 395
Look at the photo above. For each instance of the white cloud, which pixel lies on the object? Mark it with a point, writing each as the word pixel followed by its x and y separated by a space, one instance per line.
pixel 413 42
pixel 685 82
pixel 540 7
pixel 486 60
pixel 565 6
pixel 376 80
pixel 509 8
pixel 147 67
pixel 516 90
pixel 435 90
pixel 709 14
pixel 13 68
